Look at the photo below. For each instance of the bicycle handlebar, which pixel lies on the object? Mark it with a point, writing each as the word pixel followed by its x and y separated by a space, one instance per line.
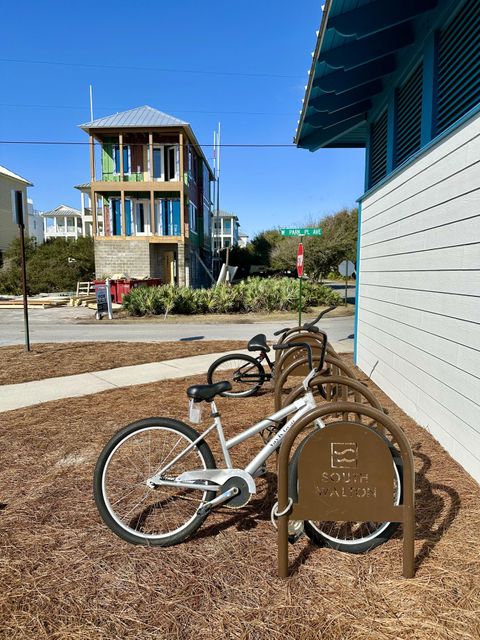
pixel 290 345
pixel 308 326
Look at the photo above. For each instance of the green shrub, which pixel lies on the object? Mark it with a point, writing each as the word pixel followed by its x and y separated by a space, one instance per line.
pixel 48 266
pixel 253 294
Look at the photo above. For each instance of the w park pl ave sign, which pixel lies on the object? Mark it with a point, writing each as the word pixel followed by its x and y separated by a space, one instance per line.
pixel 308 231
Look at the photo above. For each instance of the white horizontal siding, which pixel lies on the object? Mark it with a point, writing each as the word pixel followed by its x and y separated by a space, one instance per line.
pixel 419 292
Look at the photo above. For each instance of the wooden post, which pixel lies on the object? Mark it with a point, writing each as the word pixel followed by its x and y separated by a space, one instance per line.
pixel 153 231
pixel 150 156
pixel 92 190
pixel 120 145
pixel 182 195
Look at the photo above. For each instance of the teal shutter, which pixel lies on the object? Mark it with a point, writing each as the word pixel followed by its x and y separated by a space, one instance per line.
pixel 459 66
pixel 128 217
pixel 378 149
pixel 175 217
pixel 408 128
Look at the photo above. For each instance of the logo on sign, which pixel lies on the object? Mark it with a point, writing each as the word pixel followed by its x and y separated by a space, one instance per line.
pixel 343 455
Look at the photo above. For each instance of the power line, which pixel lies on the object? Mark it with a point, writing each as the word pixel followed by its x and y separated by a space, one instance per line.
pixel 141 144
pixel 97 108
pixel 159 69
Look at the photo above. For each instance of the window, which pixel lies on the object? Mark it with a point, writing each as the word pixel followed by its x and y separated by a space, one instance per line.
pixel 192 164
pixel 140 218
pixel 172 157
pixel 227 242
pixel 378 149
pixel 458 66
pixel 227 226
pixel 192 217
pixel 126 158
pixel 409 116
pixel 158 173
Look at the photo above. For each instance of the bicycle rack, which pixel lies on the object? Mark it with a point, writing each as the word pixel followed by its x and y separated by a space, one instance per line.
pixel 345 473
pixel 333 366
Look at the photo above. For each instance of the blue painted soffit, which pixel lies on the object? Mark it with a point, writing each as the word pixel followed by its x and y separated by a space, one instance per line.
pixel 359 45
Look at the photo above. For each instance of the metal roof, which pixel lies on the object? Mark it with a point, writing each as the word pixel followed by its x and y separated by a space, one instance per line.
pixel 62 210
pixel 6 172
pixel 360 44
pixel 145 116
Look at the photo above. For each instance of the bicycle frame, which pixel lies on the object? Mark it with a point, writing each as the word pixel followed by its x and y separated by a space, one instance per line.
pixel 298 408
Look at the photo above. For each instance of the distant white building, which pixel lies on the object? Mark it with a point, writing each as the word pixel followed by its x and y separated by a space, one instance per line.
pixel 225 230
pixel 63 222
pixel 242 239
pixel 9 183
pixel 35 223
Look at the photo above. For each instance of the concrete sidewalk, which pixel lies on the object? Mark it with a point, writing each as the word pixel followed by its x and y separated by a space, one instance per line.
pixel 26 394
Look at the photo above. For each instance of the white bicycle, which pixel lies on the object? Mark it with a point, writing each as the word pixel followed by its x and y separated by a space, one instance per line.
pixel 156 480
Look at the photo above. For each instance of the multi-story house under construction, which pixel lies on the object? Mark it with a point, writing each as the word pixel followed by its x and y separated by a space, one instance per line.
pixel 150 199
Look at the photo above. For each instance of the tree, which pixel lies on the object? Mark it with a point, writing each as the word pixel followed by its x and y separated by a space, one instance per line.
pixel 322 253
pixel 56 265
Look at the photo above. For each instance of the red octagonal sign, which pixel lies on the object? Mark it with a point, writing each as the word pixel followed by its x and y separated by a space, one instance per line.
pixel 300 260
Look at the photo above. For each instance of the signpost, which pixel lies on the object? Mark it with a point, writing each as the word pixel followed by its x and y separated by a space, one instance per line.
pixel 300 233
pixel 18 200
pixel 346 269
pixel 300 275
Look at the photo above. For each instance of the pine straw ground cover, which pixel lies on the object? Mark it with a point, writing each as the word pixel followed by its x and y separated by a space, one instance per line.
pixel 64 575
pixel 49 360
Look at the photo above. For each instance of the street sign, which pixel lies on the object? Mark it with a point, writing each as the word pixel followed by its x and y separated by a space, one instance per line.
pixel 308 231
pixel 300 260
pixel 346 268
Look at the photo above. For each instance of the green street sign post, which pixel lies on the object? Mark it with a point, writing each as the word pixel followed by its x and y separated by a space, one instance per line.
pixel 308 231
pixel 300 233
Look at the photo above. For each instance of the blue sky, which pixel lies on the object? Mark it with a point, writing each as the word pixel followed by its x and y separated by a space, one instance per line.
pixel 151 53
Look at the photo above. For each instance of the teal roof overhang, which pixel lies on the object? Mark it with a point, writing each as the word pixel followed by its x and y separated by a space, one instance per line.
pixel 359 45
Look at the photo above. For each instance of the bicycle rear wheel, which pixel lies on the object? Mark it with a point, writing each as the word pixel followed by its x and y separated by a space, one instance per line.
pixel 351 537
pixel 245 374
pixel 133 510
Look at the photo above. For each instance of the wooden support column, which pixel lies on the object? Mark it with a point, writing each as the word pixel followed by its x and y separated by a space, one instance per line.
pixel 150 177
pixel 120 145
pixel 182 183
pixel 92 190
pixel 153 231
pixel 150 156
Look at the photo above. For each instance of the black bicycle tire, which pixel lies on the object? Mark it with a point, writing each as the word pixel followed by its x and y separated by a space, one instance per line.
pixel 237 356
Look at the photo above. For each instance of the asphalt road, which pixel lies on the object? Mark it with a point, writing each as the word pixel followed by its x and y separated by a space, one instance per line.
pixel 63 324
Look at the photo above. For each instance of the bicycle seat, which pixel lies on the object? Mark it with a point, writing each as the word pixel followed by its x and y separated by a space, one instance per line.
pixel 207 392
pixel 258 343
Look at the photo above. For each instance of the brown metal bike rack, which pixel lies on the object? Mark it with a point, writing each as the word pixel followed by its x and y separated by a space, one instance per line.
pixel 341 450
pixel 332 366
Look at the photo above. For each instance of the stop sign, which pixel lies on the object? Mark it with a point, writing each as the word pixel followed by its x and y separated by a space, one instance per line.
pixel 300 260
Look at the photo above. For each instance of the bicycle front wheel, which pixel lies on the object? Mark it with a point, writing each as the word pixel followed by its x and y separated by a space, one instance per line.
pixel 245 374
pixel 133 510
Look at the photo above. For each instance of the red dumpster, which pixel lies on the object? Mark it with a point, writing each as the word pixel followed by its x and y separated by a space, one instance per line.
pixel 120 288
